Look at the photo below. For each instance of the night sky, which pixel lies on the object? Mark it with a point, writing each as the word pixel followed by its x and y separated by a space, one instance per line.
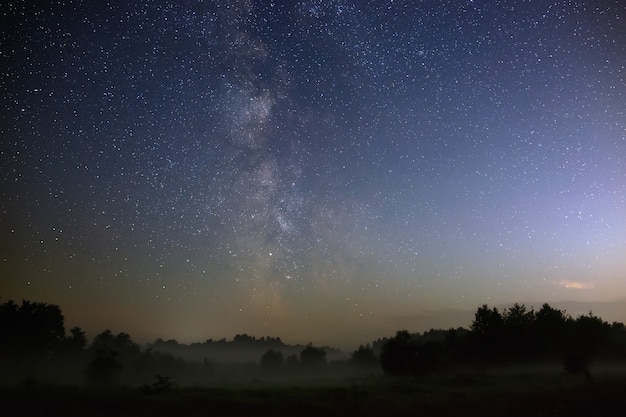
pixel 321 170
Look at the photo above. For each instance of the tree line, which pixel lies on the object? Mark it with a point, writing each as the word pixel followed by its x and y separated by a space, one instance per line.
pixel 34 345
pixel 516 335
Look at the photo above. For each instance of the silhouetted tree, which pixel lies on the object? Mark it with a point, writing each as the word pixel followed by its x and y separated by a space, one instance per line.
pixel 110 354
pixel 244 340
pixel 364 356
pixel 76 342
pixel 72 357
pixel 399 354
pixel 550 330
pixel 591 332
pixel 104 368
pixel 312 357
pixel 588 335
pixel 160 343
pixel 618 340
pixel 405 354
pixel 31 329
pixel 456 341
pixel 517 327
pixel 292 363
pixel 272 361
pixel 487 331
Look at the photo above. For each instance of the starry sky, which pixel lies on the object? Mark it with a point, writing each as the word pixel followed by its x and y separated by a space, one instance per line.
pixel 319 170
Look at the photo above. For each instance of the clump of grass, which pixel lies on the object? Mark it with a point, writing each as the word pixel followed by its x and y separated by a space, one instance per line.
pixel 161 385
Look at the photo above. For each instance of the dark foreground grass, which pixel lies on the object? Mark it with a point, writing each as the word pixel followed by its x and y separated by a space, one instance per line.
pixel 527 394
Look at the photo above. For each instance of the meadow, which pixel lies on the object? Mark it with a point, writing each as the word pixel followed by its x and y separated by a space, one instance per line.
pixel 481 393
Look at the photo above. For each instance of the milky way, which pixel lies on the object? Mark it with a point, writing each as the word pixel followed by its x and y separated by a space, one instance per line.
pixel 200 169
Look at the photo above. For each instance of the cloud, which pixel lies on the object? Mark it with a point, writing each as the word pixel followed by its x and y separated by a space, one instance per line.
pixel 575 285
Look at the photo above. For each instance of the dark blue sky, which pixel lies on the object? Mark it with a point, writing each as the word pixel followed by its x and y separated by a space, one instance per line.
pixel 328 170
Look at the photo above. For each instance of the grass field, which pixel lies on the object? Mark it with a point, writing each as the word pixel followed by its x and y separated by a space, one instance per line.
pixel 478 394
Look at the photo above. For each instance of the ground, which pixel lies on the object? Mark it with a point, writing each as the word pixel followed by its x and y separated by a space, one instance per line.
pixel 463 394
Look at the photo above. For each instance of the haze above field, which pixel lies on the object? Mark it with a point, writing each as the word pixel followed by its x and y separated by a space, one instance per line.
pixel 325 171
